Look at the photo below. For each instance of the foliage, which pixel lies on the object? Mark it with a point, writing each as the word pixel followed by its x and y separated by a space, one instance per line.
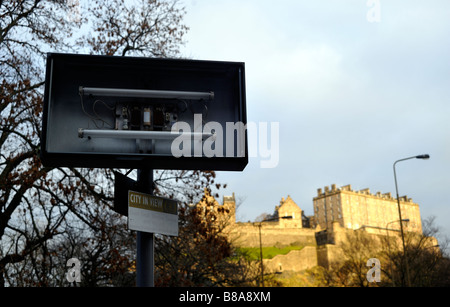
pixel 425 263
pixel 312 277
pixel 202 254
pixel 49 215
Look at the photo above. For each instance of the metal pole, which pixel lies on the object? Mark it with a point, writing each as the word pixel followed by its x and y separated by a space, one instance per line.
pixel 260 243
pixel 261 255
pixel 405 258
pixel 389 244
pixel 145 260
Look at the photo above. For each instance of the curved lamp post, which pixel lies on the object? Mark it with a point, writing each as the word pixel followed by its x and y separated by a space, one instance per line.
pixel 423 157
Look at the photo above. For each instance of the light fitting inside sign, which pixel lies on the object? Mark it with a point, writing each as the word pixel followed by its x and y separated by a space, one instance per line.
pixel 138 93
pixel 140 135
pixel 141 115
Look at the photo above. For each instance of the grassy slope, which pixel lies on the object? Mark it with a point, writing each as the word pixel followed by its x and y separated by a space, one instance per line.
pixel 268 252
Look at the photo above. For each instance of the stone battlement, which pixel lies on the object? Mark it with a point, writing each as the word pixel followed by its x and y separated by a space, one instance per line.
pixel 348 188
pixel 355 209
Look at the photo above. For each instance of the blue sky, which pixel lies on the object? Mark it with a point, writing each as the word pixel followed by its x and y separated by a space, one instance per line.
pixel 351 96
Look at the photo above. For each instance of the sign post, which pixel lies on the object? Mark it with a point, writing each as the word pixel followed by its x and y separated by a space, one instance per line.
pixel 145 259
pixel 145 242
pixel 144 113
pixel 148 214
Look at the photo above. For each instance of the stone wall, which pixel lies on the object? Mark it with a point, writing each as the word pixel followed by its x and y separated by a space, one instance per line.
pixel 247 235
pixel 355 209
pixel 328 254
pixel 296 261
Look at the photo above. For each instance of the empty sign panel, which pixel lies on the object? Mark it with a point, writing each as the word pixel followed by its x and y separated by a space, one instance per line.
pixel 128 112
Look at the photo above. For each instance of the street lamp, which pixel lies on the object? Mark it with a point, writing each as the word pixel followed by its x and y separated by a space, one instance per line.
pixel 260 241
pixel 401 221
pixel 389 243
pixel 423 157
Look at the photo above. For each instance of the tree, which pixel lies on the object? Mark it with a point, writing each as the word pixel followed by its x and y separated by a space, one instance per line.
pixel 429 266
pixel 350 268
pixel 50 214
pixel 23 181
pixel 202 254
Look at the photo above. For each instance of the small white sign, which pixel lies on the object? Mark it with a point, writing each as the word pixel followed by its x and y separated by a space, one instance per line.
pixel 152 214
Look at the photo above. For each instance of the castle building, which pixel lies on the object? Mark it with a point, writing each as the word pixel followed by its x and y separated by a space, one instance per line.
pixel 337 212
pixel 363 210
pixel 288 208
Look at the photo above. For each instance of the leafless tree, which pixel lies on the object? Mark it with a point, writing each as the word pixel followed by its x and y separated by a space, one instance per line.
pixel 48 215
pixel 427 263
pixel 202 254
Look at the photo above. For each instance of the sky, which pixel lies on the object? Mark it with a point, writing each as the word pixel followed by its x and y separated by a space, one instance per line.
pixel 355 85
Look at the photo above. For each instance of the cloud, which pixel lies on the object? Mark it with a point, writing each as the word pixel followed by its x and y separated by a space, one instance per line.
pixel 304 73
pixel 351 96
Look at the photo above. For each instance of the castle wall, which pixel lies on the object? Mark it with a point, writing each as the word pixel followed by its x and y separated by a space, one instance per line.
pixel 247 235
pixel 328 254
pixel 296 260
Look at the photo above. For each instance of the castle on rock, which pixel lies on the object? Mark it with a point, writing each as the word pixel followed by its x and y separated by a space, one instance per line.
pixel 337 211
